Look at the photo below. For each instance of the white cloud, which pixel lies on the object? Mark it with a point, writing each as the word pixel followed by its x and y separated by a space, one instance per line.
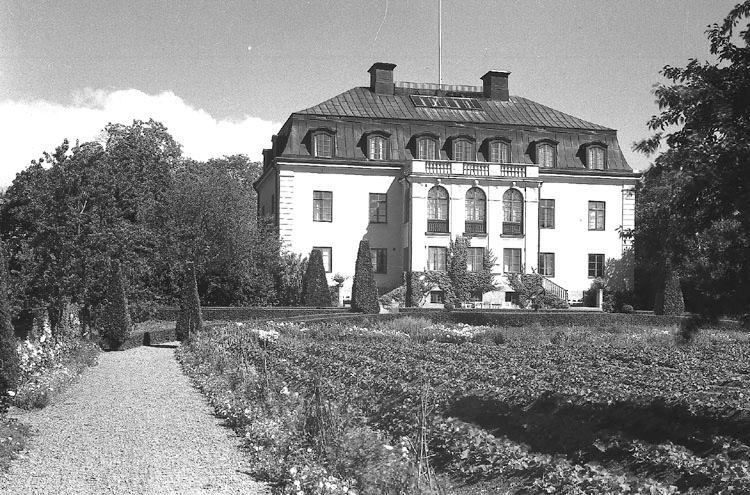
pixel 28 128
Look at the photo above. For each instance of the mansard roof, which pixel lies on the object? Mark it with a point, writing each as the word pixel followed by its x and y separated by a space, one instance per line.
pixel 363 103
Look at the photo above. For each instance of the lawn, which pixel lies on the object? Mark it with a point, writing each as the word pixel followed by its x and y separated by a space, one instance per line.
pixel 627 409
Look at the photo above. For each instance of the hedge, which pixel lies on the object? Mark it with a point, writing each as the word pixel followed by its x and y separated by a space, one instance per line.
pixel 243 313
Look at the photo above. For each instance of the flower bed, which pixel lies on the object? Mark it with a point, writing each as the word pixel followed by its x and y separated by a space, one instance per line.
pixel 401 377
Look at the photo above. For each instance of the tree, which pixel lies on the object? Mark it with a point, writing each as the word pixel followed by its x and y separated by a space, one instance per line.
pixel 116 323
pixel 289 275
pixel 8 344
pixel 458 270
pixel 364 290
pixel 189 319
pixel 315 291
pixel 696 214
pixel 669 300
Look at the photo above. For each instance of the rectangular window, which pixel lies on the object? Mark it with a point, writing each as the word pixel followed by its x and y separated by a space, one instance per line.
pixel 463 151
pixel 437 297
pixel 322 206
pixel 436 258
pixel 596 265
pixel 426 149
pixel 474 259
pixel 596 215
pixel 547 264
pixel 378 208
pixel 546 213
pixel 511 260
pixel 323 145
pixel 327 254
pixel 379 261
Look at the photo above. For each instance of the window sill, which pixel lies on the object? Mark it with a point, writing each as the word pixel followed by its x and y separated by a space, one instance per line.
pixel 475 234
pixel 439 234
pixel 512 236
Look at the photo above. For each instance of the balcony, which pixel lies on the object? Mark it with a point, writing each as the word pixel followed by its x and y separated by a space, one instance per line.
pixel 512 228
pixel 472 227
pixel 437 226
pixel 472 169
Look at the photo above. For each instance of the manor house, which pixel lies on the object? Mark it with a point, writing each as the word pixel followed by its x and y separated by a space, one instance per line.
pixel 410 166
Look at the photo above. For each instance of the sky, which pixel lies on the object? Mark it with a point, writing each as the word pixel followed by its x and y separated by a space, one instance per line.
pixel 224 75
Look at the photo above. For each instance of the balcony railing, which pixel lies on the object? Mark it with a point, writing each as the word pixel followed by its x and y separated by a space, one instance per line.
pixel 438 168
pixel 512 228
pixel 473 227
pixel 437 226
pixel 555 289
pixel 472 169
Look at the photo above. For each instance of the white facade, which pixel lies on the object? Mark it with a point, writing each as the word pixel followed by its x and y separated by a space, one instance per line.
pixel 287 192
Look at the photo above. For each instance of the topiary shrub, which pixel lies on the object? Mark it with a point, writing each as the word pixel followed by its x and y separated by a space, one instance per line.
pixel 669 300
pixel 315 291
pixel 115 322
pixel 628 309
pixel 190 318
pixel 8 354
pixel 364 290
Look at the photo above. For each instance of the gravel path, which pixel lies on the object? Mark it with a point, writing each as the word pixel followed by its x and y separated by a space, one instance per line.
pixel 132 424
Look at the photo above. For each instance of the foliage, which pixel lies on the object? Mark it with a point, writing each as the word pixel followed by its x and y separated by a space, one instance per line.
pixel 458 271
pixel 364 290
pixel 8 356
pixel 190 318
pixel 13 437
pixel 396 296
pixel 693 208
pixel 315 291
pixel 531 292
pixel 289 275
pixel 669 296
pixel 49 365
pixel 603 378
pixel 115 320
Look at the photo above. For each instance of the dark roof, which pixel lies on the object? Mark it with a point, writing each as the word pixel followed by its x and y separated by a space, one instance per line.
pixel 364 103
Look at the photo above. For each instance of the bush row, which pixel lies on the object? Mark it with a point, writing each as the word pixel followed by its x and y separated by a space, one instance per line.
pixel 241 313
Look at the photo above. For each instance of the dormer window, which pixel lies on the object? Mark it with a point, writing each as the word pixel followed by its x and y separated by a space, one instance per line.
pixel 463 150
pixel 546 154
pixel 596 157
pixel 322 144
pixel 426 148
pixel 377 147
pixel 498 151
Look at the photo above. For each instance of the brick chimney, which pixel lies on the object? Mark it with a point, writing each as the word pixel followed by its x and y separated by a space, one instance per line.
pixel 381 78
pixel 495 85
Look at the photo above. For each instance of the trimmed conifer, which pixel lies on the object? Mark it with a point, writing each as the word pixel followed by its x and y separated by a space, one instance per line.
pixel 315 291
pixel 669 300
pixel 364 290
pixel 190 318
pixel 8 345
pixel 116 323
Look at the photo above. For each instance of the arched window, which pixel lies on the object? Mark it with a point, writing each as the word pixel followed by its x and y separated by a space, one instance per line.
pixel 463 150
pixel 546 154
pixel 377 147
pixel 426 148
pixel 499 152
pixel 322 144
pixel 596 157
pixel 512 212
pixel 437 210
pixel 476 211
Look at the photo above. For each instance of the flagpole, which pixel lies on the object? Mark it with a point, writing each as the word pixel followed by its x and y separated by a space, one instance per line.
pixel 440 41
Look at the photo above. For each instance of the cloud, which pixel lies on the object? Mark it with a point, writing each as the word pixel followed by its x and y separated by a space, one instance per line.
pixel 30 127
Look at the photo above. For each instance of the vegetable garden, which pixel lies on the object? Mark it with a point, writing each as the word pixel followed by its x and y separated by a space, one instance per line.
pixel 407 406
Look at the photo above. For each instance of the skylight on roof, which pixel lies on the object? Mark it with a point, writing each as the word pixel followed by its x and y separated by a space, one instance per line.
pixel 446 102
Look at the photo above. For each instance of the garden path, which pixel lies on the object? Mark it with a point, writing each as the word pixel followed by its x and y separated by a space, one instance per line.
pixel 132 425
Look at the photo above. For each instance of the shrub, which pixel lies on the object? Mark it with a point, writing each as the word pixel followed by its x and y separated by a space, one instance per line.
pixel 397 295
pixel 189 319
pixel 289 276
pixel 627 308
pixel 8 355
pixel 315 291
pixel 669 300
pixel 364 291
pixel 490 336
pixel 116 323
